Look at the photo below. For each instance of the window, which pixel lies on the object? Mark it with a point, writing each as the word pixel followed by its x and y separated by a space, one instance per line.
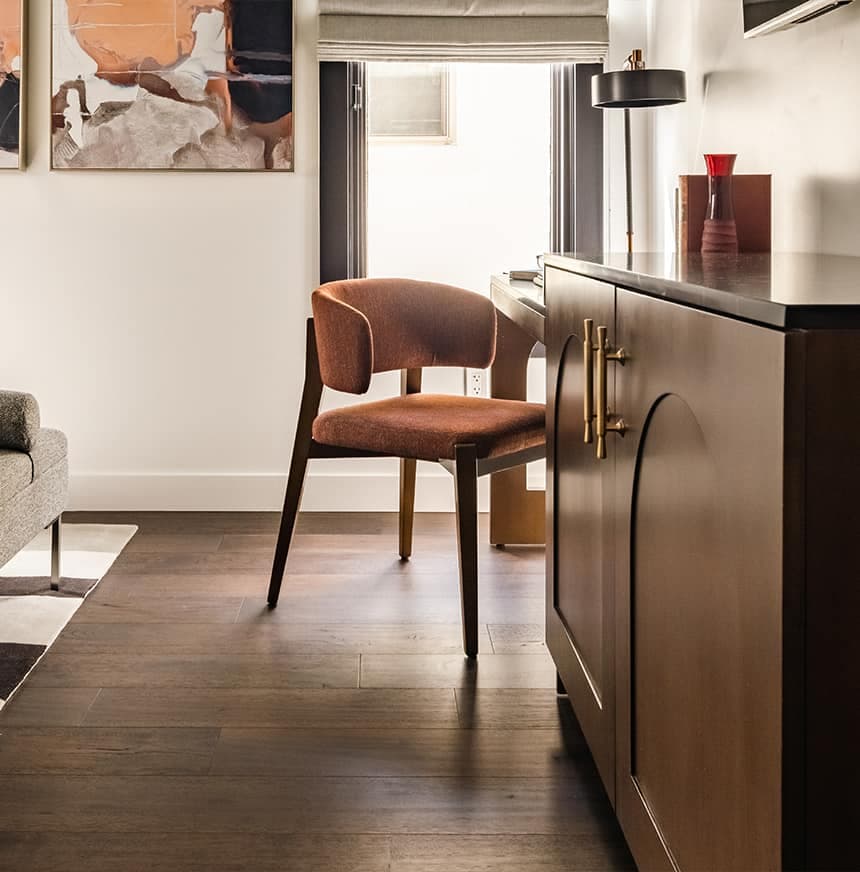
pixel 410 102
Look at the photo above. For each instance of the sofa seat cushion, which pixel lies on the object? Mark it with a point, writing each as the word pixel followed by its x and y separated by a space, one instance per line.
pixel 428 426
pixel 32 509
pixel 16 473
pixel 18 470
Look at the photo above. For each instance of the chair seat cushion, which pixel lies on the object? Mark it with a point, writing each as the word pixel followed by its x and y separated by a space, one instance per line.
pixel 18 471
pixel 428 426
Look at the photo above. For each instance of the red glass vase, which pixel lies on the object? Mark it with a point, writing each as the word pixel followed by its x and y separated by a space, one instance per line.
pixel 720 235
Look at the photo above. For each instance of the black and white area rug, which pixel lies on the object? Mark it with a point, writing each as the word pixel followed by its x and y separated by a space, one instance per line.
pixel 31 615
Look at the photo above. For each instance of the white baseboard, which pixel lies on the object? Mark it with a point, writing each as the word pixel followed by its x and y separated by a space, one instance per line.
pixel 324 492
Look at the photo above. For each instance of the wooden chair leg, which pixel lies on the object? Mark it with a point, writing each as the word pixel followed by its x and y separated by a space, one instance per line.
pixel 56 544
pixel 407 505
pixel 466 484
pixel 292 502
pixel 298 465
pixel 410 383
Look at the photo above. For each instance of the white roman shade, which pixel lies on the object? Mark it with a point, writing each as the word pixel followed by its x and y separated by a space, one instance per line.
pixel 463 30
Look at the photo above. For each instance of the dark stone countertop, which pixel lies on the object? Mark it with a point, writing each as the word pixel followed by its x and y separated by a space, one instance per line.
pixel 814 291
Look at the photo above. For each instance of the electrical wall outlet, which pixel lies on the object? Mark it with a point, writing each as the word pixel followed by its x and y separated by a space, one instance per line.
pixel 475 382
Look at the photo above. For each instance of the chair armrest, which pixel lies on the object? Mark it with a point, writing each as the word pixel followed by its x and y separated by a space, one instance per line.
pixel 19 421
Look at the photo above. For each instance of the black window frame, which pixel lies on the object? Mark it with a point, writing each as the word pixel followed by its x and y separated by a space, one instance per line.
pixel 577 216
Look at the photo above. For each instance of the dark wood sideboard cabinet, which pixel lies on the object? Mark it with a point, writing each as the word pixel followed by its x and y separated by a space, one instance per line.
pixel 703 559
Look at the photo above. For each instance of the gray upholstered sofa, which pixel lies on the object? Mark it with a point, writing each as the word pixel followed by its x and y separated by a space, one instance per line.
pixel 34 477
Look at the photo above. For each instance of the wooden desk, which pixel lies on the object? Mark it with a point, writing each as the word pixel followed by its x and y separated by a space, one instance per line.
pixel 517 514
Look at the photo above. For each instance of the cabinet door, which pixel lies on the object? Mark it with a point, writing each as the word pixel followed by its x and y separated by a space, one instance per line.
pixel 699 543
pixel 580 598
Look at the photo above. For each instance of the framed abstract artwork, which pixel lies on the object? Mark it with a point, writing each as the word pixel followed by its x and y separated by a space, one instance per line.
pixel 172 84
pixel 11 68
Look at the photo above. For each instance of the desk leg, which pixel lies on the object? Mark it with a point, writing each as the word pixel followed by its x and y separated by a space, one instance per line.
pixel 517 515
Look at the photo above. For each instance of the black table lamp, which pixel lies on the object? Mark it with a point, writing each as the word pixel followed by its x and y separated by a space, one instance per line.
pixel 635 87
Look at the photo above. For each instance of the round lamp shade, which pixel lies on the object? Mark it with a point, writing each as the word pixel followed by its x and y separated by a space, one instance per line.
pixel 638 89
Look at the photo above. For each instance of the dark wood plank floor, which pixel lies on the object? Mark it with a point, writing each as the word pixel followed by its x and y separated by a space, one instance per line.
pixel 179 725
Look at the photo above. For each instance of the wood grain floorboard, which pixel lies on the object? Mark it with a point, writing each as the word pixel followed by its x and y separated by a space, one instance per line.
pixel 94 751
pixel 123 583
pixel 441 670
pixel 326 523
pixel 510 709
pixel 546 753
pixel 230 852
pixel 265 638
pixel 388 563
pixel 198 670
pixel 342 543
pixel 377 523
pixel 51 707
pixel 180 586
pixel 192 852
pixel 178 724
pixel 173 543
pixel 517 638
pixel 259 542
pixel 185 522
pixel 109 608
pixel 143 563
pixel 218 707
pixel 504 853
pixel 402 609
pixel 217 804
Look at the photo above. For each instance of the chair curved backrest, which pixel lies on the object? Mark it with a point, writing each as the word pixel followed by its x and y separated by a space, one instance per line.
pixel 364 326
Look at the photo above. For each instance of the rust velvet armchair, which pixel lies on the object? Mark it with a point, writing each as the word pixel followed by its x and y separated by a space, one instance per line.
pixel 364 326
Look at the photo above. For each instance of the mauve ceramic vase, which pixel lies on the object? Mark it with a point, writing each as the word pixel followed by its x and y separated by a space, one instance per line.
pixel 720 235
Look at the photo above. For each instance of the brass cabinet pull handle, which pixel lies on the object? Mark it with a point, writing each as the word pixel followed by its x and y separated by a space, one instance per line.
pixel 604 424
pixel 588 375
pixel 602 399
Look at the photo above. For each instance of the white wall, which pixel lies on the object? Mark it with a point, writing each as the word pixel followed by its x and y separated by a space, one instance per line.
pixel 159 317
pixel 786 103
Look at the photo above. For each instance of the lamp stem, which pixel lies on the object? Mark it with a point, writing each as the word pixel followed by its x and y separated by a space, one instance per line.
pixel 628 167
